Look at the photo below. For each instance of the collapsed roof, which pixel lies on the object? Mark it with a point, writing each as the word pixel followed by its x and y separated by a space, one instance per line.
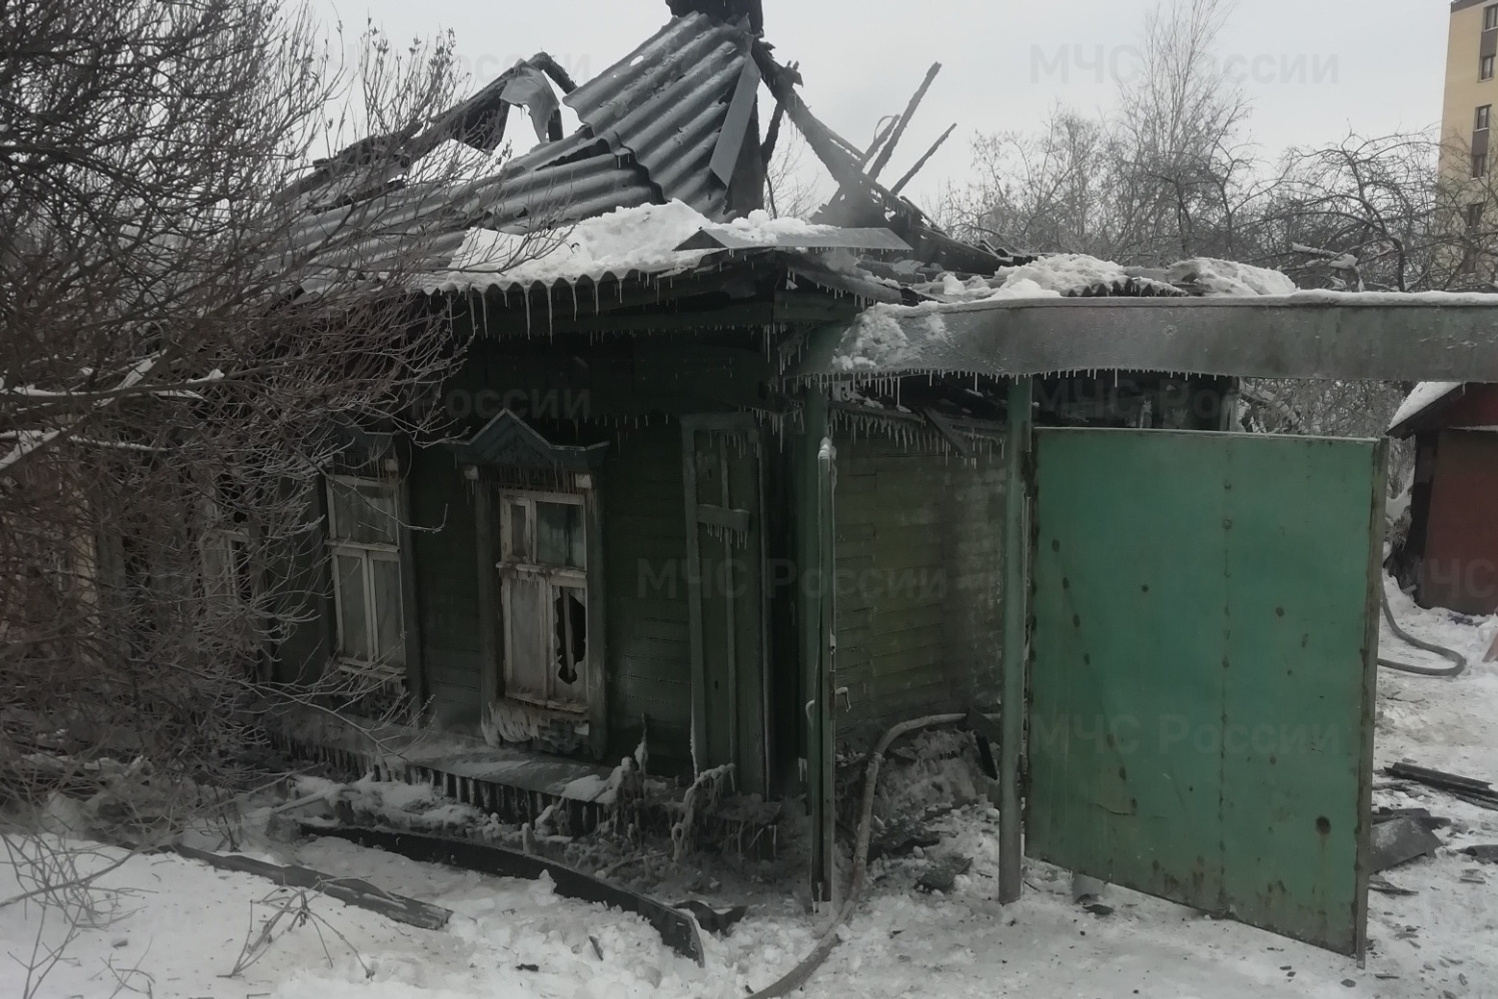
pixel 664 178
pixel 676 120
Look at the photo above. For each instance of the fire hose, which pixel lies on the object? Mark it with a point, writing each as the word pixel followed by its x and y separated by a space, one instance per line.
pixel 1458 660
pixel 802 972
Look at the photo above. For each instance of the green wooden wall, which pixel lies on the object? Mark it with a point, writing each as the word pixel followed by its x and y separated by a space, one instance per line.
pixel 645 551
pixel 444 546
pixel 919 610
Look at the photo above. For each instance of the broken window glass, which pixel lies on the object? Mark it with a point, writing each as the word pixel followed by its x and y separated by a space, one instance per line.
pixel 571 614
pixel 545 594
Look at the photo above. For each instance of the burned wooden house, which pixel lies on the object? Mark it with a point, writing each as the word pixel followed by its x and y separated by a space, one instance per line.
pixel 746 491
pixel 627 535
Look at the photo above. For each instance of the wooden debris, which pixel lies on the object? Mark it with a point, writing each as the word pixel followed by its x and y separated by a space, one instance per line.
pixel 1437 778
pixel 987 732
pixel 1386 887
pixel 925 158
pixel 677 929
pixel 943 874
pixel 900 836
pixel 888 149
pixel 351 891
pixel 1423 815
pixel 715 921
pixel 1485 854
pixel 1468 789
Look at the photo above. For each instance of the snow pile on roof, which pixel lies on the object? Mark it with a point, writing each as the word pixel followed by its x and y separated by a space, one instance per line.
pixel 630 240
pixel 1425 395
pixel 1067 274
pixel 759 228
pixel 1220 278
pixel 877 340
pixel 1070 275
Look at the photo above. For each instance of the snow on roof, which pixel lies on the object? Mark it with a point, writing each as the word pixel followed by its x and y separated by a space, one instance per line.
pixel 1216 278
pixel 879 339
pixel 1425 395
pixel 1066 273
pixel 653 240
pixel 640 240
pixel 1076 275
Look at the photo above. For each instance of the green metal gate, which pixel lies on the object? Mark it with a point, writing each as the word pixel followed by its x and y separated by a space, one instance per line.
pixel 1203 670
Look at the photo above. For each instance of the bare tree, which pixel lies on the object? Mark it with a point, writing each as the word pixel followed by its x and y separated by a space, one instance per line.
pixel 789 191
pixel 194 328
pixel 1164 177
pixel 1169 176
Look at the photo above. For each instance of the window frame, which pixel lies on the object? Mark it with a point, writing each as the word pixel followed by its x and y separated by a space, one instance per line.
pixel 552 579
pixel 1485 67
pixel 1484 118
pixel 368 553
pixel 1490 17
pixel 226 575
pixel 1479 165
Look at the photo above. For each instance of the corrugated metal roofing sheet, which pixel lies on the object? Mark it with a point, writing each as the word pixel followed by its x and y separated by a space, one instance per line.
pixel 665 104
pixel 651 124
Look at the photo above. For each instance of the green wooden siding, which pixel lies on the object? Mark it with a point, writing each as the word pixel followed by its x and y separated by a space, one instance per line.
pixel 444 545
pixel 645 552
pixel 919 614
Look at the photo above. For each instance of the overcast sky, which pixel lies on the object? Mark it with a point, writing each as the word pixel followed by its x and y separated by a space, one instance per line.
pixel 1312 68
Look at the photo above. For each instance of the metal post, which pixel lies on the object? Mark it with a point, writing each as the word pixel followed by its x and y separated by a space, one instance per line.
pixel 813 544
pixel 827 673
pixel 1016 626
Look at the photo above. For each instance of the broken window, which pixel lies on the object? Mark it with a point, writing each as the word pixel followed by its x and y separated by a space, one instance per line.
pixel 544 590
pixel 364 545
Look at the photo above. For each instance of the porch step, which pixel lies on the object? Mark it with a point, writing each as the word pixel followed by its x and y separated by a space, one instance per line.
pixel 512 784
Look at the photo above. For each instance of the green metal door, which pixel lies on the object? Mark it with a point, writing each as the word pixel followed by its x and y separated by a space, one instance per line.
pixel 725 577
pixel 1203 670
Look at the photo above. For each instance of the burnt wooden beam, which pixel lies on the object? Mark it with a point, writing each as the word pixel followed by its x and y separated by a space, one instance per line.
pixel 882 160
pixel 921 163
pixel 351 891
pixel 676 928
pixel 881 132
pixel 880 206
pixel 772 135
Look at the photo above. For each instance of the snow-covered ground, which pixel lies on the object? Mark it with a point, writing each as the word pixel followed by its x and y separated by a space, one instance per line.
pixel 183 926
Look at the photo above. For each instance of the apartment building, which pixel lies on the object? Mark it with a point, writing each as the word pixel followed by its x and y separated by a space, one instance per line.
pixel 1467 152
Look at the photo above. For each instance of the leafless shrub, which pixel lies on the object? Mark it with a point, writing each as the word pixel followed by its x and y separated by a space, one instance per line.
pixel 283 911
pixel 194 329
pixel 60 883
